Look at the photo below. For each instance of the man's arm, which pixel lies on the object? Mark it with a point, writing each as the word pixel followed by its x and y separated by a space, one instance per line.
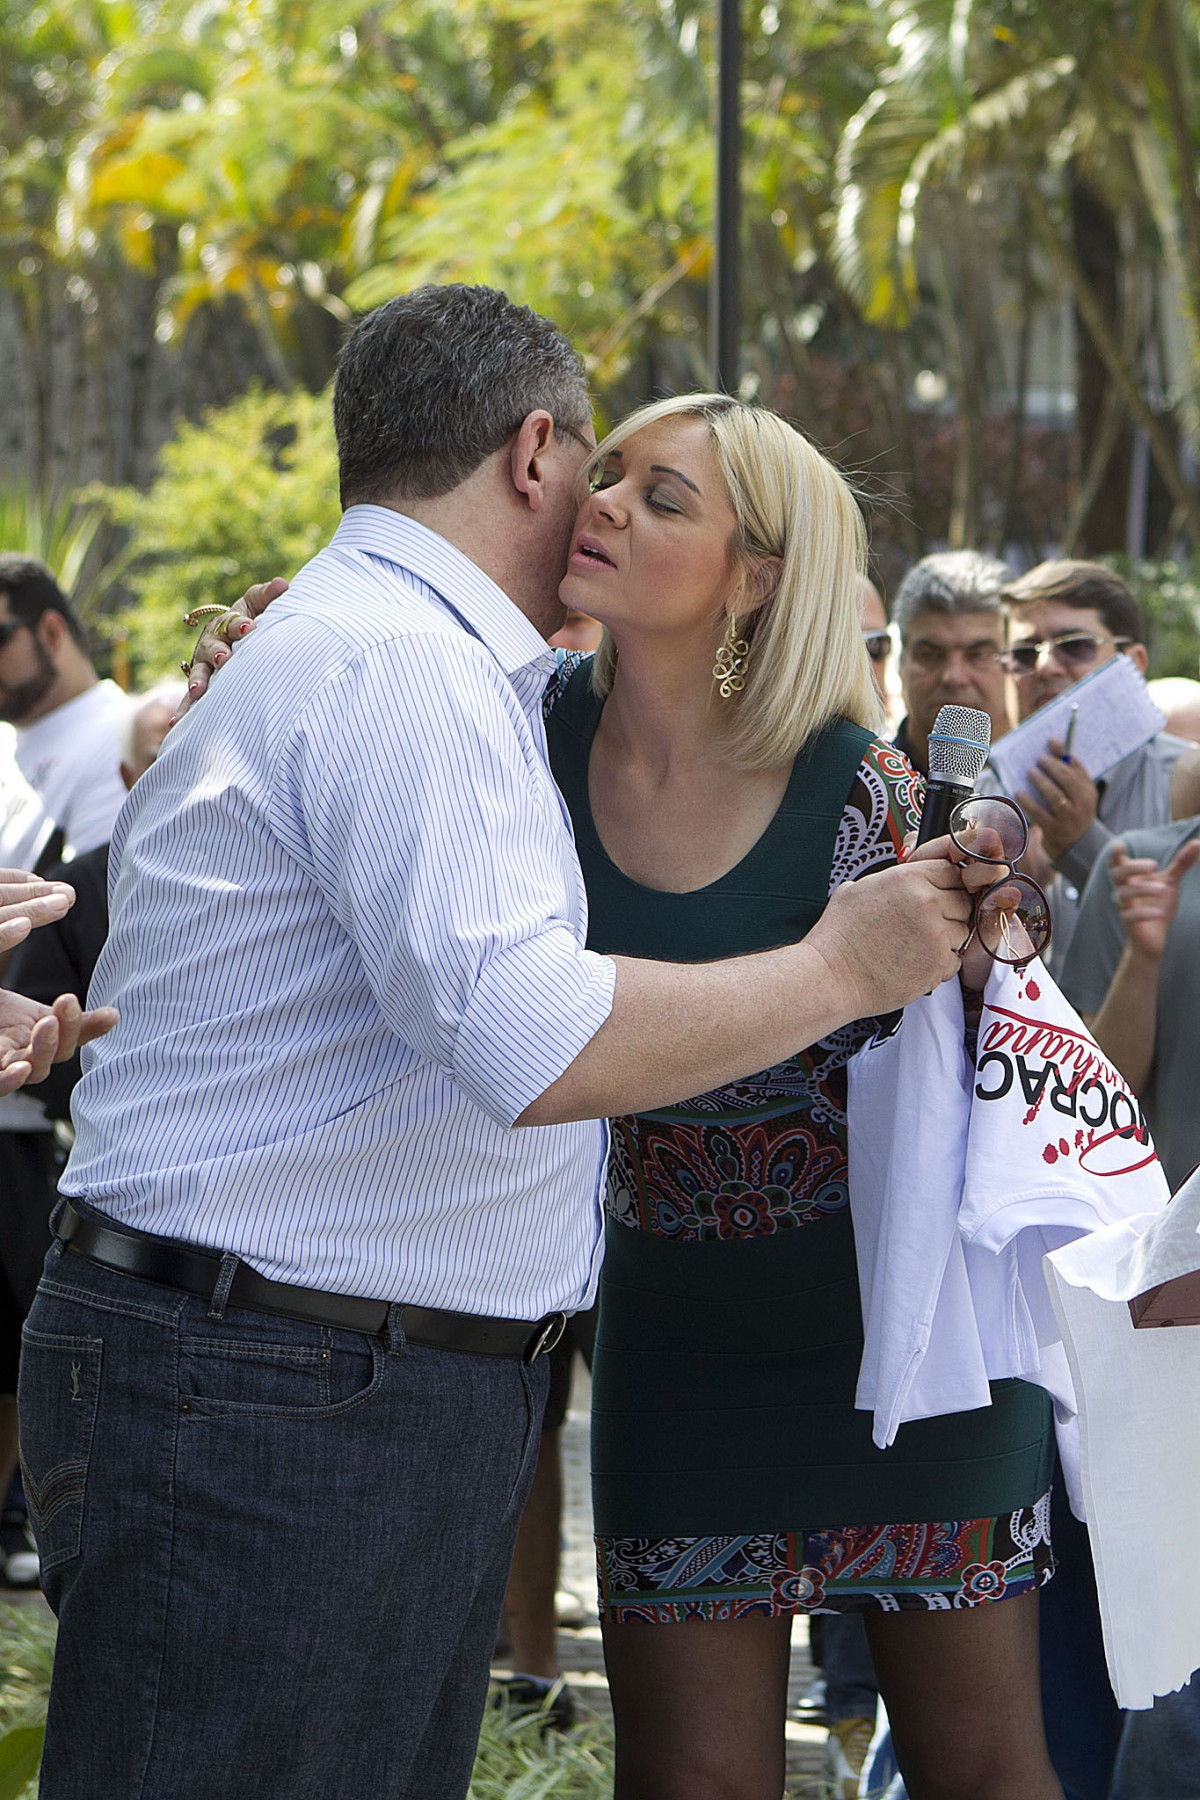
pixel 682 1029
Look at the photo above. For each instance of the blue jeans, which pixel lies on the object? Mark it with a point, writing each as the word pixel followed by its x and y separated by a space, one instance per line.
pixel 851 1690
pixel 277 1551
pixel 1159 1758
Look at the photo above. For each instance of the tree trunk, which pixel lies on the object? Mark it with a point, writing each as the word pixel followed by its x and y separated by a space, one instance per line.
pixel 1162 443
pixel 1098 254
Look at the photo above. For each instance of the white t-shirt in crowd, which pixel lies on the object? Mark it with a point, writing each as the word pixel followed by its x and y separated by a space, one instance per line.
pixel 62 771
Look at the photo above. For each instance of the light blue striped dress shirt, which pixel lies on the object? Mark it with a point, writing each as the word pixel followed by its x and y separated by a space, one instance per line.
pixel 347 949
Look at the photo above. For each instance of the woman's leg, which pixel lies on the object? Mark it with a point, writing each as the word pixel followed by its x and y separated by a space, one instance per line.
pixel 963 1697
pixel 699 1709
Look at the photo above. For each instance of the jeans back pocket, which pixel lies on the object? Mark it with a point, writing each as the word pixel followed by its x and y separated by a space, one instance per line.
pixel 58 1399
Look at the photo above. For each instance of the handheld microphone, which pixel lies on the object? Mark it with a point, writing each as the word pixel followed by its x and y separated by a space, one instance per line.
pixel 958 748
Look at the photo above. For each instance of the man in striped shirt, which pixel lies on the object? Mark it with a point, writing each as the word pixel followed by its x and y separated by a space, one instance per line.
pixel 307 1265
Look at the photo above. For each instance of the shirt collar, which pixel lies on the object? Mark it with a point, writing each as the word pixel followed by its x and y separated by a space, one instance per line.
pixel 462 584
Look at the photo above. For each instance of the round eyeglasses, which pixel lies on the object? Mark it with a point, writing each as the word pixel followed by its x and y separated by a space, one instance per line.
pixel 1012 917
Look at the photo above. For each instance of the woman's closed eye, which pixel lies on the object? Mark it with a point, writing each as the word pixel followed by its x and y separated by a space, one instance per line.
pixel 656 496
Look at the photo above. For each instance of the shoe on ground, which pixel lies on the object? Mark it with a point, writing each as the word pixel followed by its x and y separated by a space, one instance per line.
pixel 568 1610
pixel 810 1707
pixel 18 1553
pixel 551 1701
pixel 846 1754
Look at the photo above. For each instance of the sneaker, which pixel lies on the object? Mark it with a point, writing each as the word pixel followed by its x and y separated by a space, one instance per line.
pixel 553 1701
pixel 810 1707
pixel 18 1553
pixel 845 1754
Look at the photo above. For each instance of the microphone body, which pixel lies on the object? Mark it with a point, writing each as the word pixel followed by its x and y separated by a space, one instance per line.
pixel 941 798
pixel 958 748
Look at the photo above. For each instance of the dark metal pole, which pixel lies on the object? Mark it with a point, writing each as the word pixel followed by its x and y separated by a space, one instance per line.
pixel 724 312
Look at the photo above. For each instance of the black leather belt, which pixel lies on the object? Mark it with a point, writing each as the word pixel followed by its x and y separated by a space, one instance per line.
pixel 195 1271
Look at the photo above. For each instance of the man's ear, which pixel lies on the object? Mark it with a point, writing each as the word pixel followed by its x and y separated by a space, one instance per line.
pixel 1137 656
pixel 527 464
pixel 52 630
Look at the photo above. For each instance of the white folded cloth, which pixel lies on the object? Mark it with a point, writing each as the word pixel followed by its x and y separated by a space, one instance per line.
pixel 963 1177
pixel 1137 1393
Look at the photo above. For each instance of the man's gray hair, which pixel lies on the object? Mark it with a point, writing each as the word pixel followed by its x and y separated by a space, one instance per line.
pixel 953 581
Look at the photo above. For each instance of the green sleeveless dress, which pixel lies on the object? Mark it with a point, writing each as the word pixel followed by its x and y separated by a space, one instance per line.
pixel 732 1473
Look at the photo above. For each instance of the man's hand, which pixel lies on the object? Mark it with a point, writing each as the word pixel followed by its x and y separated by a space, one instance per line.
pixel 895 934
pixel 26 901
pixel 1148 897
pixel 215 644
pixel 32 1036
pixel 1065 803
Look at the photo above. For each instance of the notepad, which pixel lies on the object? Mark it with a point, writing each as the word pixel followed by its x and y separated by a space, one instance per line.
pixel 1116 716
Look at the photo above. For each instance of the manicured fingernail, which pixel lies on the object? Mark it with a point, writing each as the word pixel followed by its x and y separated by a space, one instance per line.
pixel 194 689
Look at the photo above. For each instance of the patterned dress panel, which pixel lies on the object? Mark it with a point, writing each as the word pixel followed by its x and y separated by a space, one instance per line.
pixel 930 1567
pixel 767 1153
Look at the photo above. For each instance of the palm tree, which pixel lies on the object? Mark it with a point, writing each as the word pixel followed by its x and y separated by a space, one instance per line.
pixel 981 103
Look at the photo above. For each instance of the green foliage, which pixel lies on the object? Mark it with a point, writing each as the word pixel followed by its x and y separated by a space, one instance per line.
pixel 517 1760
pixel 60 532
pixel 249 492
pixel 26 1656
pixel 1169 596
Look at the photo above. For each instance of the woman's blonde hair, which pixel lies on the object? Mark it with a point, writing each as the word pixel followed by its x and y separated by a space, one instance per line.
pixel 807 663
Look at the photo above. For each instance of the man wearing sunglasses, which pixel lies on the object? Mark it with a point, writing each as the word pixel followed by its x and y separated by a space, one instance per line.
pixel 1067 619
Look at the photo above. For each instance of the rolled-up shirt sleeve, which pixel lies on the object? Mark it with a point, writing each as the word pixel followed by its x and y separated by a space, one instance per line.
pixel 439 841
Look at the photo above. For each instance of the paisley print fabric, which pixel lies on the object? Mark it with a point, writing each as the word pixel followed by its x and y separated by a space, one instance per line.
pixel 894 1568
pixel 768 1153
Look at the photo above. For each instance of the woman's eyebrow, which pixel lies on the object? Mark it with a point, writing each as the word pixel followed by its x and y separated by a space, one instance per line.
pixel 662 469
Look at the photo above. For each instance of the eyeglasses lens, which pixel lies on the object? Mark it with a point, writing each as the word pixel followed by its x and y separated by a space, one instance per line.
pixel 878 644
pixel 1076 650
pixel 990 830
pixel 1012 920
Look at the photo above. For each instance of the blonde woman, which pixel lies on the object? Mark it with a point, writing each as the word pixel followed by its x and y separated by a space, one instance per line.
pixel 720 761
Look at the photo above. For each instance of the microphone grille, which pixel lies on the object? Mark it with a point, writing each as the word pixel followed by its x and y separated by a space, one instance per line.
pixel 959 745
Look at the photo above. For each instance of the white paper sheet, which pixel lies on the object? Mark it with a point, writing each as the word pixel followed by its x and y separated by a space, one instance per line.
pixel 1116 715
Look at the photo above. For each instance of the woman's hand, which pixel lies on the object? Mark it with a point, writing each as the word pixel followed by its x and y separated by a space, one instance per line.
pixel 976 877
pixel 1148 897
pixel 225 626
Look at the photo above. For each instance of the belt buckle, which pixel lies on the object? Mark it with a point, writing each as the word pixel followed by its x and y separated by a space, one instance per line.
pixel 548 1333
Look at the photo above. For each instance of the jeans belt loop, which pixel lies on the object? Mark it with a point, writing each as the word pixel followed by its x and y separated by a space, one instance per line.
pixel 220 1297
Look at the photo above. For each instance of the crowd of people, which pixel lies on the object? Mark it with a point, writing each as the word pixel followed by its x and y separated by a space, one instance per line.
pixel 438 977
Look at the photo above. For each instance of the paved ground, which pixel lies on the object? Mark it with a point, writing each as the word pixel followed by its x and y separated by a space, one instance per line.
pixel 579 1651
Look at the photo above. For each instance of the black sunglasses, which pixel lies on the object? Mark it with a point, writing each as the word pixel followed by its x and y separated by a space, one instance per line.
pixel 9 629
pixel 878 644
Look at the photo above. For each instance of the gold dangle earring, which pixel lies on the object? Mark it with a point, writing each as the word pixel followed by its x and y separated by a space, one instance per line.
pixel 729 670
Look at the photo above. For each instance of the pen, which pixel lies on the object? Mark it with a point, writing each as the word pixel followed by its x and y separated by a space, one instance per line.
pixel 1070 737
